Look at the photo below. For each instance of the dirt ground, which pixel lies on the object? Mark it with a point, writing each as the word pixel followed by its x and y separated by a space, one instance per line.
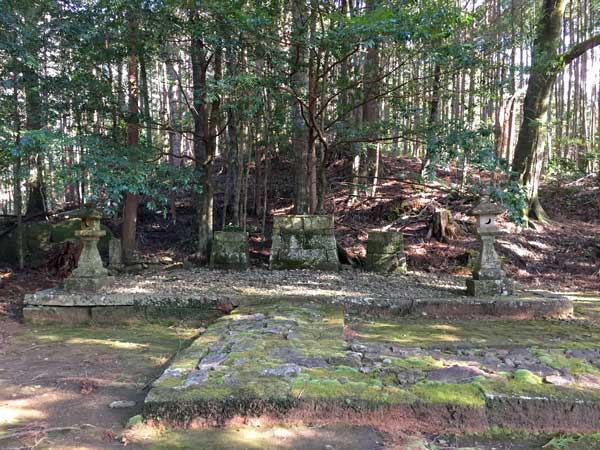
pixel 56 384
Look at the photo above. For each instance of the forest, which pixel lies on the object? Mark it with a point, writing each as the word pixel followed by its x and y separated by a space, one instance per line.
pixel 300 224
pixel 154 105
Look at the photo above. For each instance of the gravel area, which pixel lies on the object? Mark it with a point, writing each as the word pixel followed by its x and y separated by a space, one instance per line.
pixel 346 286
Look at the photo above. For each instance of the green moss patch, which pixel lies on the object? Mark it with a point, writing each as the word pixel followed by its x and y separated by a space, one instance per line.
pixel 480 333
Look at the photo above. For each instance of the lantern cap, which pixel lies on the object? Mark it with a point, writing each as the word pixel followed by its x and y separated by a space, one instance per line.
pixel 486 208
pixel 88 213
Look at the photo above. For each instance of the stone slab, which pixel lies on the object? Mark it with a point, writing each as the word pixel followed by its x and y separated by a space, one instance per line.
pixel 530 305
pixel 515 307
pixel 60 297
pixel 57 314
pixel 116 314
pixel 288 360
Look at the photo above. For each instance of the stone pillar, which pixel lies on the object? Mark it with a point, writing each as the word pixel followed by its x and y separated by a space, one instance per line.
pixel 230 250
pixel 304 242
pixel 385 252
pixel 90 274
pixel 488 276
pixel 115 255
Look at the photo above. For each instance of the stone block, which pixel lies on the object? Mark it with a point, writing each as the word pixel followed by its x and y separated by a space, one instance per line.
pixel 230 250
pixel 126 314
pixel 385 252
pixel 387 262
pixel 288 223
pixel 319 241
pixel 91 284
pixel 117 314
pixel 304 242
pixel 383 242
pixel 115 254
pixel 482 288
pixel 319 223
pixel 59 314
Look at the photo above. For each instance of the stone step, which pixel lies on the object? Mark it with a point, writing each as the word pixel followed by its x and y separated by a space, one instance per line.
pixel 292 361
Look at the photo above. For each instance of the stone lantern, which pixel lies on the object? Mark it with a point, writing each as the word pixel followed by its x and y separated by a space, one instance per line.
pixel 90 274
pixel 488 276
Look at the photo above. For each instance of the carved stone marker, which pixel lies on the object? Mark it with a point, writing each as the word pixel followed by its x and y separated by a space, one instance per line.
pixel 230 250
pixel 115 255
pixel 90 274
pixel 488 276
pixel 304 242
pixel 385 252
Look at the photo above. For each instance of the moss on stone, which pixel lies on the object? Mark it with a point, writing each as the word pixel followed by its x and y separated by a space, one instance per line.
pixel 468 394
pixel 38 237
pixel 524 376
pixel 574 442
pixel 483 333
pixel 65 230
pixel 576 366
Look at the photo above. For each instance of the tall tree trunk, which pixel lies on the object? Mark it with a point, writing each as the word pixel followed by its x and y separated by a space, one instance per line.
pixel 529 157
pixel 201 137
pixel 434 112
pixel 36 201
pixel 371 113
pixel 145 98
pixel 130 205
pixel 174 102
pixel 299 83
pixel 206 224
pixel 17 175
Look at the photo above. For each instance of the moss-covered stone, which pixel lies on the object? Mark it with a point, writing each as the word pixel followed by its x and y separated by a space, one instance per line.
pixel 38 238
pixel 36 242
pixel 57 314
pixel 230 250
pixel 65 230
pixel 304 242
pixel 385 252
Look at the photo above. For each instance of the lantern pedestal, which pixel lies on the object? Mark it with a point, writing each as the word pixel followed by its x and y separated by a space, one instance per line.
pixel 488 276
pixel 90 274
pixel 486 288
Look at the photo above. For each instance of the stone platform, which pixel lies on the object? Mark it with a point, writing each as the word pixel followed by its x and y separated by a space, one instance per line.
pixel 309 361
pixel 205 294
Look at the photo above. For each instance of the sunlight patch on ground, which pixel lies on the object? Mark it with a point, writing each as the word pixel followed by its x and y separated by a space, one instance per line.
pixel 257 437
pixel 107 342
pixel 520 251
pixel 15 412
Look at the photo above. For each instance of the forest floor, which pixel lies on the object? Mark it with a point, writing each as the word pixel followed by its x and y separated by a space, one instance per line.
pixel 561 255
pixel 56 382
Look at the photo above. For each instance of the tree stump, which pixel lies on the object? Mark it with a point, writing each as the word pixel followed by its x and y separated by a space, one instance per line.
pixel 443 227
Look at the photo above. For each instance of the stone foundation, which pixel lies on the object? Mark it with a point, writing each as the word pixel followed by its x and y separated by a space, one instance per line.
pixel 304 242
pixel 385 252
pixel 73 315
pixel 230 250
pixel 482 288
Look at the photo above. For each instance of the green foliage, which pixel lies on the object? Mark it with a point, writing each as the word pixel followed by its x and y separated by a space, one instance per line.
pixel 112 171
pixel 513 196
pixel 573 442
